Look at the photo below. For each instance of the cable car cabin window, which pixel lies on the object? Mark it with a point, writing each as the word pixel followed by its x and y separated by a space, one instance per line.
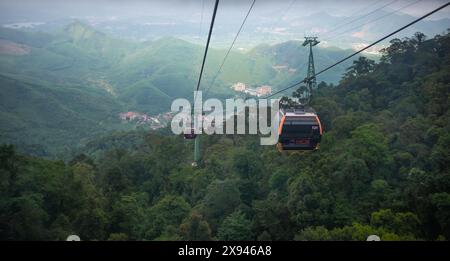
pixel 300 129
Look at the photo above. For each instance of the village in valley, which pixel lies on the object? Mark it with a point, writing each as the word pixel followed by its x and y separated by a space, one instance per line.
pixel 163 119
pixel 258 91
pixel 154 122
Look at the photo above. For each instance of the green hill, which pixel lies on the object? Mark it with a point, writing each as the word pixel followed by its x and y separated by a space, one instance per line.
pixel 53 117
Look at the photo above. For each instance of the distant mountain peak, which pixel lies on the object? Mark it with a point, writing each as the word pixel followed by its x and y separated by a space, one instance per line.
pixel 77 24
pixel 81 31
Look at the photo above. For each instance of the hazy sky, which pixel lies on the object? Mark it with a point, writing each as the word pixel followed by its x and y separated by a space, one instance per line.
pixel 271 20
pixel 46 10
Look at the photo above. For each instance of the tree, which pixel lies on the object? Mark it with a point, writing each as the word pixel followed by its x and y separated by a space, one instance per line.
pixel 128 215
pixel 195 228
pixel 362 66
pixel 396 51
pixel 319 233
pixel 272 216
pixel 91 220
pixel 23 218
pixel 352 176
pixel 221 200
pixel 166 215
pixel 440 155
pixel 441 203
pixel 8 169
pixel 309 202
pixel 286 103
pixel 402 223
pixel 370 144
pixel 344 124
pixel 418 38
pixel 118 237
pixel 236 227
pixel 264 236
pixel 327 109
pixel 278 180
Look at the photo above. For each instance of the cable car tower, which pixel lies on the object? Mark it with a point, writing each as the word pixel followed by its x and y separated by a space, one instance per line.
pixel 311 41
pixel 304 92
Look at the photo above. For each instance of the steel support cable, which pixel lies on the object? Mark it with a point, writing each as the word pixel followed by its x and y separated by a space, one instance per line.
pixel 200 30
pixel 360 17
pixel 284 13
pixel 351 15
pixel 372 21
pixel 207 46
pixel 229 49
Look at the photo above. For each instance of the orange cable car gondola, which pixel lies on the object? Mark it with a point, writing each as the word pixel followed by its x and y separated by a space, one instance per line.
pixel 299 129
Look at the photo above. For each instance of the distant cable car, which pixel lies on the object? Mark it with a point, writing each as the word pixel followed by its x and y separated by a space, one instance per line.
pixel 299 129
pixel 191 135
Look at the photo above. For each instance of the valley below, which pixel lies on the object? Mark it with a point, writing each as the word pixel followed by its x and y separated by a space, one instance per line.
pixel 89 77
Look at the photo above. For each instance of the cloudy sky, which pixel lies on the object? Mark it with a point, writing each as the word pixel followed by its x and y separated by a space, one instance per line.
pixel 277 20
pixel 53 9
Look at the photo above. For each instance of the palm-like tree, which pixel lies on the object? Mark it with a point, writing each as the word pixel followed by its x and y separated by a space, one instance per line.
pixel 361 66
